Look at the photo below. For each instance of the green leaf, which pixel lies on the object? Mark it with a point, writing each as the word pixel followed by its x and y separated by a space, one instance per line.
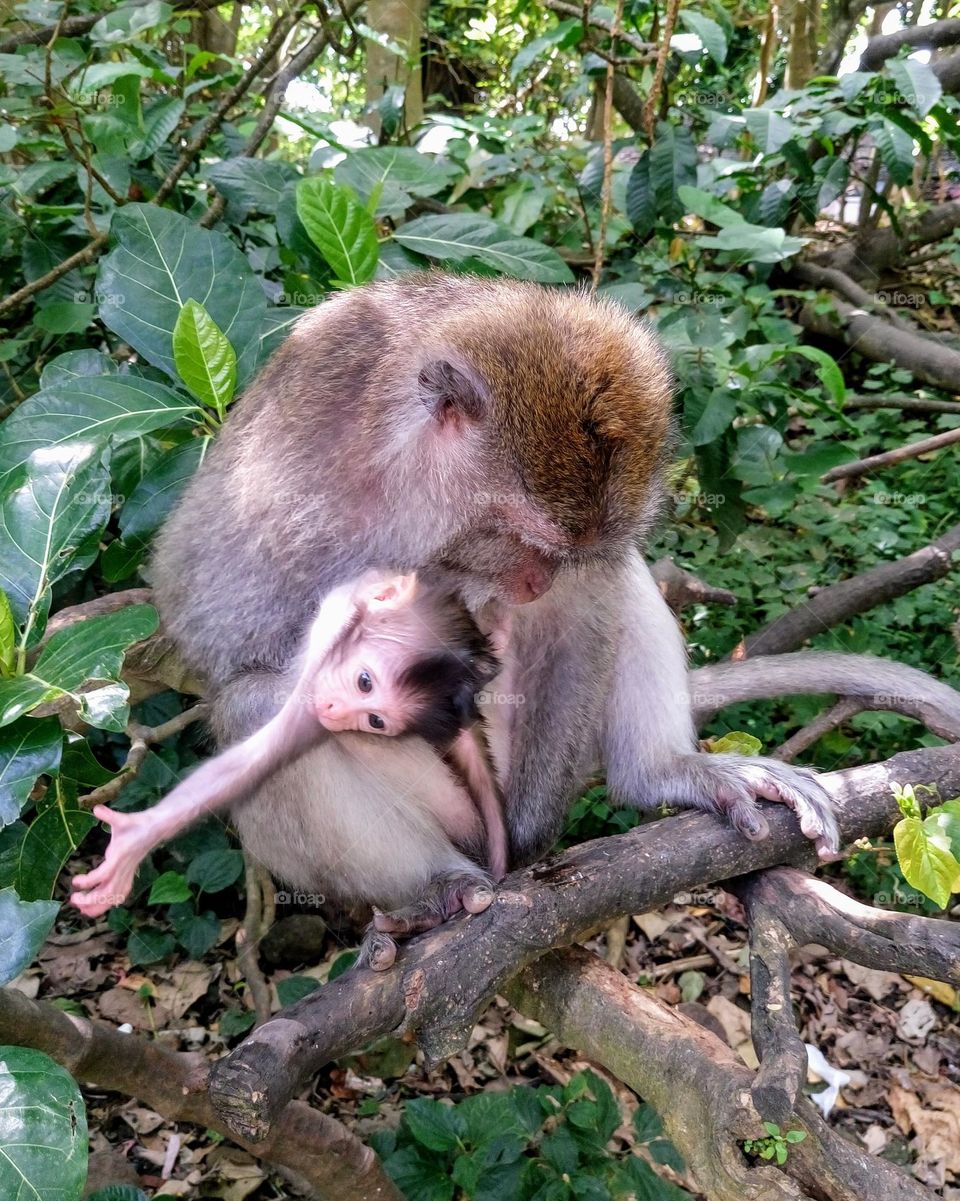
pixel 400 173
pixel 920 87
pixel 562 36
pixel 295 988
pixel 77 364
pixel 641 203
pixel 50 525
pixel 51 839
pixel 896 150
pixel 43 1129
pixel 673 165
pixel 127 22
pixel 828 373
pixel 206 361
pixel 159 122
pixel 197 933
pixel 421 1177
pixel 168 889
pixel 24 926
pixel 736 743
pixel 118 1192
pixel 434 1125
pixel 341 229
pixel 711 36
pixel 28 749
pixel 251 184
pixel 149 945
pixel 768 129
pixel 215 870
pixel 8 632
pixel 161 261
pixel 708 207
pixel 460 237
pixel 235 1021
pixel 926 866
pixel 90 410
pixel 159 490
pixel 754 243
pixel 91 650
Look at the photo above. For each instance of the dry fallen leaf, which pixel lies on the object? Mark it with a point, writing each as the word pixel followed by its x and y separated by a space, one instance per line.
pixel 945 993
pixel 736 1025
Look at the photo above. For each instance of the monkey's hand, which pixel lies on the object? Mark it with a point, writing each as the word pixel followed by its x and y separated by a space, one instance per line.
pixel 732 785
pixel 110 883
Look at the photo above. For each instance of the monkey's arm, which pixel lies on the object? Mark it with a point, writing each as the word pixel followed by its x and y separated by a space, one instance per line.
pixel 229 776
pixel 471 760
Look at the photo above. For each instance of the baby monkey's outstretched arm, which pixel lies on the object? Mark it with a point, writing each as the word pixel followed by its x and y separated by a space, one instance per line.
pixel 228 777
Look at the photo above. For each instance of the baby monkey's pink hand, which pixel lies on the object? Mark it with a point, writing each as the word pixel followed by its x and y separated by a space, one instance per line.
pixel 111 882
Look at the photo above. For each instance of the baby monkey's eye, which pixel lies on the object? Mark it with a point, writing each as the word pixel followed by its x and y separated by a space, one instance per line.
pixel 364 683
pixel 376 721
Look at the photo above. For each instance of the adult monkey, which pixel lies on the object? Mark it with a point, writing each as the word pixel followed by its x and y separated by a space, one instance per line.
pixel 513 439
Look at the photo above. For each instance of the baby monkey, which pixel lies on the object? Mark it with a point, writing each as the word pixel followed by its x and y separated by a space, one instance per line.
pixel 385 655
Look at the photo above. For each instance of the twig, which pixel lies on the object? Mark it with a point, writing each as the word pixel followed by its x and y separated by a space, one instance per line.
pixel 680 588
pixel 823 723
pixel 847 471
pixel 915 404
pixel 663 53
pixel 141 739
pixel 601 245
pixel 645 49
pixel 250 934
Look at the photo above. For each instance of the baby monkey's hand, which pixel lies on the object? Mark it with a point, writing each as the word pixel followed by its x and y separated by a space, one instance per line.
pixel 111 882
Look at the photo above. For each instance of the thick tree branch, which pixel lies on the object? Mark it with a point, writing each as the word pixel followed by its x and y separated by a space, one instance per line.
pixel 698 1085
pixel 909 404
pixel 839 602
pixel 443 979
pixel 310 1147
pixel 75 27
pixel 926 37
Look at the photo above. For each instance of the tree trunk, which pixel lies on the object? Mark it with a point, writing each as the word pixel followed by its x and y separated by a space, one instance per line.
pixel 402 23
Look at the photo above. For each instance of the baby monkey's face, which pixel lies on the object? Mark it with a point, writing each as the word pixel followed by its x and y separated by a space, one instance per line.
pixel 360 692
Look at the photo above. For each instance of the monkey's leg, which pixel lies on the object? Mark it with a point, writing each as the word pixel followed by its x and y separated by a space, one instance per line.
pixel 649 739
pixel 442 898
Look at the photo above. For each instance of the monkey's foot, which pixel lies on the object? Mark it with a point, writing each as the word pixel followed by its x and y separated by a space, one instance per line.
pixel 377 951
pixel 732 785
pixel 443 897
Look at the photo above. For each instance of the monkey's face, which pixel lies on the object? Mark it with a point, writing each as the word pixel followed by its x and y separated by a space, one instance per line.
pixel 568 402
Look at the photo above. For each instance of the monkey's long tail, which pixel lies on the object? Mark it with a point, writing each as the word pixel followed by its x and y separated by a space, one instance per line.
pixel 880 683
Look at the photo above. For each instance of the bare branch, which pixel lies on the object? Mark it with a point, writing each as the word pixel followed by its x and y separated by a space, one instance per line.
pixel 889 458
pixel 822 724
pixel 680 588
pixel 915 404
pixel 841 601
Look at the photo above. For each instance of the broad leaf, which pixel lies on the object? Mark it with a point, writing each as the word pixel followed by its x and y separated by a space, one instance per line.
pixel 8 633
pixel 251 184
pixel 341 229
pixel 563 36
pixel 754 243
pixel 90 650
pixel 399 172
pixel 896 150
pixel 769 130
pixel 24 925
pixel 159 490
pixel 926 866
pixel 709 207
pixel 52 838
pixel 206 361
pixel 50 524
pixel 920 87
pixel 159 122
pixel 460 237
pixel 28 749
pixel 162 260
pixel 673 164
pixel 712 37
pixel 43 1129
pixel 90 410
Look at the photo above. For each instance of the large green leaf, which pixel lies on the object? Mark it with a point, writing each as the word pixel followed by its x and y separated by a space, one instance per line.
pixel 754 243
pixel 395 174
pixel 87 409
pixel 52 838
pixel 159 490
pixel 23 927
pixel 90 650
pixel 925 864
pixel 341 229
pixel 896 150
pixel 769 130
pixel 205 359
pixel 920 87
pixel 460 237
pixel 673 164
pixel 43 1129
pixel 50 524
pixel 159 122
pixel 251 184
pixel 161 261
pixel 28 749
pixel 712 37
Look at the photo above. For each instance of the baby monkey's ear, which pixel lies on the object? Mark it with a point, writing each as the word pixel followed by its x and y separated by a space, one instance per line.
pixel 389 592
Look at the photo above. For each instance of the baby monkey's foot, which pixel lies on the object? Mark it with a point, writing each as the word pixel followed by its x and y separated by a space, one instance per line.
pixel 443 897
pixel 377 951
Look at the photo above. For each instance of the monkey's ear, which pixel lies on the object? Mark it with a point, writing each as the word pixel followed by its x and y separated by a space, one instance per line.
pixel 451 390
pixel 393 592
